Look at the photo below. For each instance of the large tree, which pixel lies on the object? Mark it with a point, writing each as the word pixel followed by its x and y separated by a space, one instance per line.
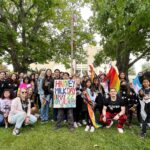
pixel 124 26
pixel 38 31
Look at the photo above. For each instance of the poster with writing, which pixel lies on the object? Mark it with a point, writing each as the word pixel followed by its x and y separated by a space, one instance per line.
pixel 64 94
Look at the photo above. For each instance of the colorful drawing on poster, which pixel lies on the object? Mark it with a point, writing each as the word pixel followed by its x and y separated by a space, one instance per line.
pixel 64 94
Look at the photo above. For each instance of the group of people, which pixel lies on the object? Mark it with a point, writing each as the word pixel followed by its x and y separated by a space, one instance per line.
pixel 27 98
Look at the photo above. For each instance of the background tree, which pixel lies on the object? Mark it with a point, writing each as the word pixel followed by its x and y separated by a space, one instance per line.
pixel 124 26
pixel 146 67
pixel 38 31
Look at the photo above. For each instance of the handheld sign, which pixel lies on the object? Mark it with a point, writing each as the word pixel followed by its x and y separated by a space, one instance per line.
pixel 64 94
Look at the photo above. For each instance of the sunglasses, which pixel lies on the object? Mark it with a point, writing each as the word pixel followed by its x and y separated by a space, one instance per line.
pixel 23 92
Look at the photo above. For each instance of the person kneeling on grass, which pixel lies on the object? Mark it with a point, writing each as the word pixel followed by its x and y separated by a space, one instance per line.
pixel 21 111
pixel 113 110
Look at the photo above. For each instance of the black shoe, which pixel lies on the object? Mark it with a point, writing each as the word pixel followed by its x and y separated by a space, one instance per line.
pixel 44 121
pixel 142 135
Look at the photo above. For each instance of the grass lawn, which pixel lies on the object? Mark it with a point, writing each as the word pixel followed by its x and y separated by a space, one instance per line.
pixel 43 137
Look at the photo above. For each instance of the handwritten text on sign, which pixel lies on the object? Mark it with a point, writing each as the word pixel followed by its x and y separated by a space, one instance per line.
pixel 64 94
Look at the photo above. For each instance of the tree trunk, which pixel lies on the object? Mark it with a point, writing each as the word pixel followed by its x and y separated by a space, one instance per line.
pixel 17 65
pixel 123 63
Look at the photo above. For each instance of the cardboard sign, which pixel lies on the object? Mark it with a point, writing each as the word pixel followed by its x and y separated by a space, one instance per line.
pixel 64 94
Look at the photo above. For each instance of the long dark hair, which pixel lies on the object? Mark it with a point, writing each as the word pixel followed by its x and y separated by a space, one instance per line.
pixel 11 93
pixel 46 73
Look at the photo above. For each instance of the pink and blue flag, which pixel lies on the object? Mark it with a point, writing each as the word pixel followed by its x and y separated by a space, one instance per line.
pixel 136 84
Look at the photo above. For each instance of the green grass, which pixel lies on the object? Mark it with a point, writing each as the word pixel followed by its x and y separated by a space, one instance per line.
pixel 43 137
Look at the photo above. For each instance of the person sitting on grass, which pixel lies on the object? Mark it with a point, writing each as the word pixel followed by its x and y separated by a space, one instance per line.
pixel 5 104
pixel 21 111
pixel 113 110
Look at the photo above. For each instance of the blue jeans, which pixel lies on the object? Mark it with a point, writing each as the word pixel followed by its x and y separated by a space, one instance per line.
pixel 45 107
pixel 19 118
pixel 1 119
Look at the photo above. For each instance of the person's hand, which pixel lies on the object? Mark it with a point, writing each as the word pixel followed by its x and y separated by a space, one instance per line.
pixel 27 120
pixel 141 92
pixel 104 118
pixel 116 117
pixel 132 109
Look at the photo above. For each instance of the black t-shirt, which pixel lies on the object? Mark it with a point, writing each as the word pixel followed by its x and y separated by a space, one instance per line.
pixel 113 106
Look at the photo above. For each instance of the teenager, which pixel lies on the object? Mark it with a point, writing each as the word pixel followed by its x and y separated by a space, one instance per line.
pixel 131 100
pixel 42 96
pixel 21 112
pixel 114 110
pixel 5 104
pixel 48 93
pixel 13 83
pixel 61 112
pixel 87 90
pixel 122 76
pixel 3 82
pixel 78 115
pixel 144 95
pixel 98 88
pixel 56 77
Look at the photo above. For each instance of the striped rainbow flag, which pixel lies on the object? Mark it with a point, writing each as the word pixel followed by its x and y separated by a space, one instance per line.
pixel 114 81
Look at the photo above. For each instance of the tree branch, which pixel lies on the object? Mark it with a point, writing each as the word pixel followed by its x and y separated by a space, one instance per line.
pixel 138 58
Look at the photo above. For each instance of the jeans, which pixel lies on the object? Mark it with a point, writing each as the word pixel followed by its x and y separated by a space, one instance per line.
pixel 19 118
pixel 45 107
pixel 1 119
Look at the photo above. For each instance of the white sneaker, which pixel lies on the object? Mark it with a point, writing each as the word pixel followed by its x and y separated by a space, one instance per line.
pixel 110 125
pixel 75 125
pixel 79 124
pixel 16 132
pixel 84 122
pixel 120 130
pixel 87 128
pixel 92 129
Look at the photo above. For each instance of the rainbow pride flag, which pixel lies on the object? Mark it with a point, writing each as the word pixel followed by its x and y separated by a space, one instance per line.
pixel 90 110
pixel 113 78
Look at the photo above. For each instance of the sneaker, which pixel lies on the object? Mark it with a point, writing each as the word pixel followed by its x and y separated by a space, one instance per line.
pixel 110 125
pixel 72 129
pixel 120 130
pixel 79 124
pixel 75 125
pixel 142 135
pixel 16 132
pixel 65 121
pixel 84 122
pixel 92 129
pixel 87 128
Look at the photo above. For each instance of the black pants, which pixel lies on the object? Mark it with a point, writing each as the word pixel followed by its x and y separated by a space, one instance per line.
pixel 60 117
pixel 37 100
